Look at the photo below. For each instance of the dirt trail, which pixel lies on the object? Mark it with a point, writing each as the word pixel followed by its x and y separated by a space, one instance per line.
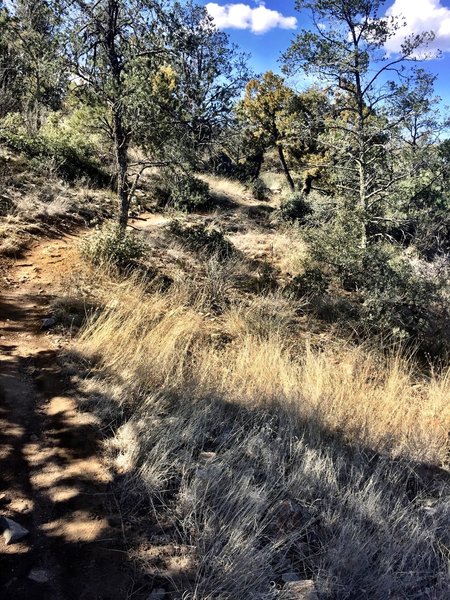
pixel 52 480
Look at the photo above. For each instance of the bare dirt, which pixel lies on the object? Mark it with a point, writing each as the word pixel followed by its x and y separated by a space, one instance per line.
pixel 52 479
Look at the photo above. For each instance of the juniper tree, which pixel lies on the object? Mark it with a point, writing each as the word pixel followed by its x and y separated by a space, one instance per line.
pixel 267 114
pixel 34 28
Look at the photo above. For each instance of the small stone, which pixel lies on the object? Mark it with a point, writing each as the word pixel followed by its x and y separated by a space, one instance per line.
pixel 39 575
pixel 206 457
pixel 33 437
pixel 48 323
pixel 12 531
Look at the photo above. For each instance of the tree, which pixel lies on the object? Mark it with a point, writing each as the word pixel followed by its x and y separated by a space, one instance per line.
pixel 309 113
pixel 266 112
pixel 163 72
pixel 210 76
pixel 346 49
pixel 34 28
pixel 109 44
pixel 10 66
pixel 193 88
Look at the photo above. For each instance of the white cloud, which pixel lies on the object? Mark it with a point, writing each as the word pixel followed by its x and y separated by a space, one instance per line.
pixel 242 16
pixel 421 16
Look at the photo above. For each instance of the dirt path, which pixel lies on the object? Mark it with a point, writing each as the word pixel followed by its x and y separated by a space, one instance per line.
pixel 52 480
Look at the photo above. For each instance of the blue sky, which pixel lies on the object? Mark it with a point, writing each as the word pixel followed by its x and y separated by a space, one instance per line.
pixel 265 30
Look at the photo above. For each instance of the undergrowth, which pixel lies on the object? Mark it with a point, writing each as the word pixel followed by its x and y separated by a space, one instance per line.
pixel 265 454
pixel 109 244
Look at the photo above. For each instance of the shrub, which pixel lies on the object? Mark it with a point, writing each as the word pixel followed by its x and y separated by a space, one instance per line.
pixel 70 161
pixel 313 282
pixel 390 296
pixel 432 232
pixel 187 193
pixel 259 189
pixel 110 244
pixel 200 239
pixel 295 208
pixel 180 190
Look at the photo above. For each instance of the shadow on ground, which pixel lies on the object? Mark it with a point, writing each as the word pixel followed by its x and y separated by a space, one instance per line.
pixel 52 480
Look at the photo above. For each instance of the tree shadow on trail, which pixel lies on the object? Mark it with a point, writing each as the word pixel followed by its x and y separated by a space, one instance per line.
pixel 221 493
pixel 53 483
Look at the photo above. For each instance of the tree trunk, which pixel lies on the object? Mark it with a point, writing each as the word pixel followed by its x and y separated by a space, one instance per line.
pixel 121 142
pixel 285 168
pixel 255 161
pixel 121 135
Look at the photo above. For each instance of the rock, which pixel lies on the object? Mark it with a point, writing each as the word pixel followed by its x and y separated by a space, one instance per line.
pixel 157 594
pixel 12 531
pixel 34 438
pixel 206 457
pixel 39 575
pixel 48 323
pixel 299 590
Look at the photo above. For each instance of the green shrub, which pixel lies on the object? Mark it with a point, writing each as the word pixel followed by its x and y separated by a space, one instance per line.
pixel 70 161
pixel 389 295
pixel 432 231
pixel 110 244
pixel 200 239
pixel 313 282
pixel 395 298
pixel 295 208
pixel 179 190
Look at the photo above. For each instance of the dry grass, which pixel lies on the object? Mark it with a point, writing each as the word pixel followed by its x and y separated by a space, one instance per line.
pixel 32 204
pixel 229 188
pixel 279 488
pixel 162 340
pixel 283 248
pixel 261 454
pixel 250 448
pixel 274 180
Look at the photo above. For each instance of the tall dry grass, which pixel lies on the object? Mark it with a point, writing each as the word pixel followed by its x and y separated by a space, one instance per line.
pixel 260 455
pixel 249 356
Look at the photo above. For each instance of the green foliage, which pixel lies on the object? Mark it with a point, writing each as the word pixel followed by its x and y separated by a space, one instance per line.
pixel 431 234
pixel 189 193
pixel 312 283
pixel 295 208
pixel 182 191
pixel 201 239
pixel 259 189
pixel 70 161
pixel 389 295
pixel 112 245
pixel 11 88
pixel 265 108
pixel 36 76
pixel 267 114
pixel 374 135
